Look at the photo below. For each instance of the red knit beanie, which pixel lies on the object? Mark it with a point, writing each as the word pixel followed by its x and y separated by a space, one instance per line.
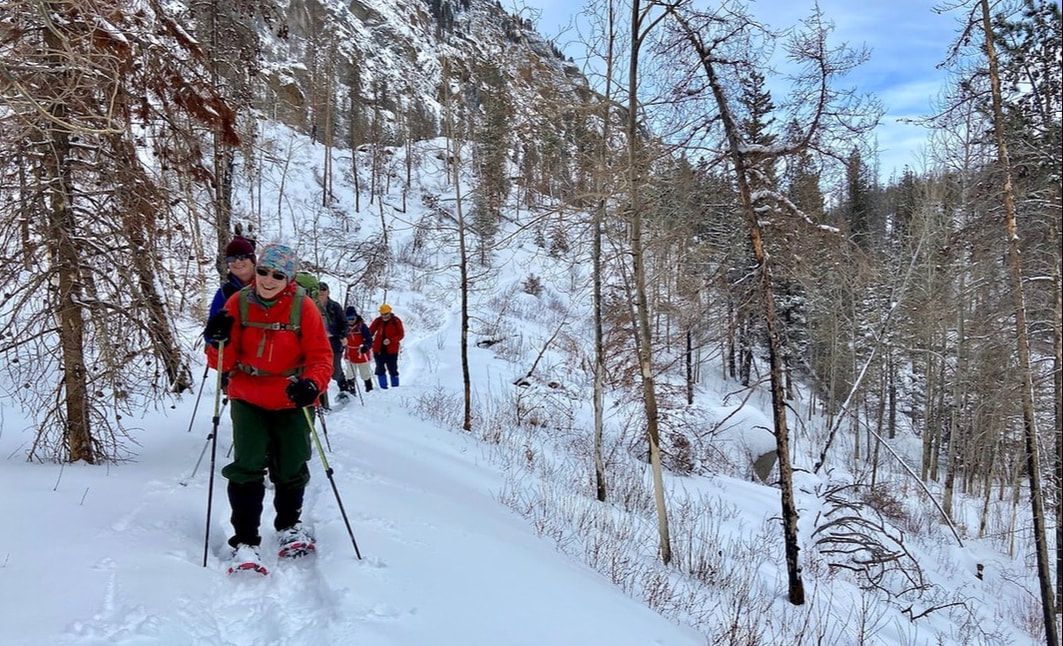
pixel 240 246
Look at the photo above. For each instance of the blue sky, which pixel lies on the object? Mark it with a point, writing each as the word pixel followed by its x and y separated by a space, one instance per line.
pixel 907 40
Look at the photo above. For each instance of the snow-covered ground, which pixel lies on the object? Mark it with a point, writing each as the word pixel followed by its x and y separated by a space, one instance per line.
pixel 113 554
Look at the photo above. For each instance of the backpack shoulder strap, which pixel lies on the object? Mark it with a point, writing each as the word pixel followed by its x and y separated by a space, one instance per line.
pixel 294 318
pixel 243 305
pixel 297 310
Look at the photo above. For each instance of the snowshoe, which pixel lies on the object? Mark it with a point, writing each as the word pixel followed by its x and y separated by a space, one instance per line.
pixel 342 399
pixel 245 558
pixel 295 542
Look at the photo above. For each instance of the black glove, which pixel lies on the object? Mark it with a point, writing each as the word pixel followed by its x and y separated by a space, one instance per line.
pixel 302 392
pixel 364 349
pixel 219 328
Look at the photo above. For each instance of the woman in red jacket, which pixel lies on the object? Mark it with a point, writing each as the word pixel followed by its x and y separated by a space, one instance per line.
pixel 387 332
pixel 279 360
pixel 359 350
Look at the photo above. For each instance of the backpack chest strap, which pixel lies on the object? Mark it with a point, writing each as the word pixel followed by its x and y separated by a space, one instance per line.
pixel 257 372
pixel 293 324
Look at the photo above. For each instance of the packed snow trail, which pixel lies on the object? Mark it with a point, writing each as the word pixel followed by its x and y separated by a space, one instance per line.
pixel 445 564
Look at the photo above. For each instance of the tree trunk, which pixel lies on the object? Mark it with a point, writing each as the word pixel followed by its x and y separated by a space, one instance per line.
pixel 689 355
pixel 956 409
pixel 77 432
pixel 778 408
pixel 352 127
pixel 454 139
pixel 644 347
pixel 600 483
pixel 160 329
pixel 599 353
pixel 891 371
pixel 223 160
pixel 730 366
pixel 742 169
pixel 326 181
pixel 1057 383
pixel 1029 419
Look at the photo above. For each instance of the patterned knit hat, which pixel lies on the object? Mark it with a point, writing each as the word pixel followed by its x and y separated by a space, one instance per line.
pixel 279 257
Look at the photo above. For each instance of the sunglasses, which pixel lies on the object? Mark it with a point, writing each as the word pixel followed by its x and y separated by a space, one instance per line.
pixel 262 271
pixel 243 256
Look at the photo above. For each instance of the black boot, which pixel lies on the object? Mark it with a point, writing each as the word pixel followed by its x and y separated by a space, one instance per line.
pixel 368 385
pixel 246 502
pixel 288 502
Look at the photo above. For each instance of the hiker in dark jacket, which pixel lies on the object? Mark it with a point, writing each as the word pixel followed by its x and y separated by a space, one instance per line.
pixel 240 261
pixel 338 329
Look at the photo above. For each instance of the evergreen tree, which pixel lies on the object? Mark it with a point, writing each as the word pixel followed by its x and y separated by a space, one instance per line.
pixel 857 207
pixel 491 158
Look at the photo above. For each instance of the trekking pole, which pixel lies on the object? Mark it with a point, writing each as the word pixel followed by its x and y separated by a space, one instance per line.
pixel 184 483
pixel 358 389
pixel 206 369
pixel 354 374
pixel 328 472
pixel 324 426
pixel 214 448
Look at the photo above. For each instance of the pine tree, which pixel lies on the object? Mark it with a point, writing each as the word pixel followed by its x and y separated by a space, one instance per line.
pixel 491 158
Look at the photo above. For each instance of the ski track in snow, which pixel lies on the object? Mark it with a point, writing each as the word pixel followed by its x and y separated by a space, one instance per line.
pixel 297 603
pixel 324 599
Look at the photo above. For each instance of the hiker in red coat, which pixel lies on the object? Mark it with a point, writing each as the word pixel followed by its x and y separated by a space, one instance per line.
pixel 276 352
pixel 387 332
pixel 359 350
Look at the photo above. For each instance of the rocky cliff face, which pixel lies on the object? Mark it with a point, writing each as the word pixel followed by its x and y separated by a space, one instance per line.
pixel 350 64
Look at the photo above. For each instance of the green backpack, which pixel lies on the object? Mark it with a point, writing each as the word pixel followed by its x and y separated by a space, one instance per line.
pixel 308 282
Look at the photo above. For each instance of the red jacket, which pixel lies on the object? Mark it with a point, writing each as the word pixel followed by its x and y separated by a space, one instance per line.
pixel 355 340
pixel 273 353
pixel 391 330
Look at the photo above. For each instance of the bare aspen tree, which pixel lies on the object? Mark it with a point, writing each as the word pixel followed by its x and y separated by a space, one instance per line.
pixel 823 110
pixel 600 213
pixel 455 136
pixel 1030 45
pixel 1033 466
pixel 1057 388
pixel 329 65
pixel 227 31
pixel 642 22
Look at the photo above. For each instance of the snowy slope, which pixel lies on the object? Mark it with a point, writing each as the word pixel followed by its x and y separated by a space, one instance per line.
pixel 112 555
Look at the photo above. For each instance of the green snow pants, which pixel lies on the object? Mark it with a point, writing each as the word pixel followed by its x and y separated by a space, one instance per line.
pixel 273 441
